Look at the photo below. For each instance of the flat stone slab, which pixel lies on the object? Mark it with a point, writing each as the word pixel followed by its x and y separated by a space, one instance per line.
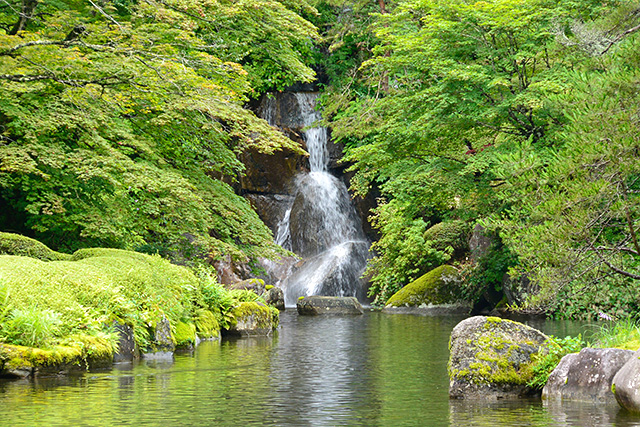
pixel 316 305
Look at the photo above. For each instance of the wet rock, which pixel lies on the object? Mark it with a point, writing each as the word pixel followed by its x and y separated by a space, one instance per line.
pixel 127 348
pixel 626 384
pixel 251 318
pixel 314 305
pixel 275 298
pixel 270 208
pixel 322 215
pixel 270 173
pixel 441 285
pixel 586 376
pixel 490 358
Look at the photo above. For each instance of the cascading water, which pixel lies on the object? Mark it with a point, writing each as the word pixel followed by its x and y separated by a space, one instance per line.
pixel 321 225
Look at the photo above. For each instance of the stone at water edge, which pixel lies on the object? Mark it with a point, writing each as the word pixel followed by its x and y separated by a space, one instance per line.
pixel 626 384
pixel 315 304
pixel 586 376
pixel 490 358
pixel 442 285
pixel 275 297
pixel 251 319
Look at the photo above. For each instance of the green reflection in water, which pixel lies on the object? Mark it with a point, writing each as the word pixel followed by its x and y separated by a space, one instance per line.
pixel 371 370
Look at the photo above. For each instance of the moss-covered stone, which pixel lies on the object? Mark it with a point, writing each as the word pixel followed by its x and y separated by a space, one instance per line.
pixel 450 236
pixel 79 352
pixel 253 318
pixel 185 335
pixel 207 326
pixel 492 358
pixel 16 244
pixel 441 285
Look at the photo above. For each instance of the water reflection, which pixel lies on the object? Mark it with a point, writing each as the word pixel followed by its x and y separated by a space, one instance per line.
pixel 372 370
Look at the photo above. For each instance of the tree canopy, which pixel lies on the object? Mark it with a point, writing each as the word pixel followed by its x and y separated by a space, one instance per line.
pixel 118 118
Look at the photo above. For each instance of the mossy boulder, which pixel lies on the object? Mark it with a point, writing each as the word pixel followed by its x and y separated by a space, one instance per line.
pixel 491 358
pixel 16 244
pixel 207 326
pixel 252 318
pixel 315 304
pixel 163 339
pixel 441 285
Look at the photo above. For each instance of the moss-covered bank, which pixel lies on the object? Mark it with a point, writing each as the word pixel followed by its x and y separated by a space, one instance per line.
pixel 57 312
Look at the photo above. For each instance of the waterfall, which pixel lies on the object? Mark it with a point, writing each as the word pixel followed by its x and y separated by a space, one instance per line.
pixel 321 225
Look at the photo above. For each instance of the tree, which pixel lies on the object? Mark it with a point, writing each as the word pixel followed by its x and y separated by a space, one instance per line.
pixel 117 117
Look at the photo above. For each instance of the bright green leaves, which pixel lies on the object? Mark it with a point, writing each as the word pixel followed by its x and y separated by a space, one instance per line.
pixel 115 117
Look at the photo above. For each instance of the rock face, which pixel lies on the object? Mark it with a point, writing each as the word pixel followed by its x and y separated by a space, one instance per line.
pixel 251 319
pixel 626 384
pixel 127 348
pixel 439 286
pixel 479 242
pixel 314 305
pixel 490 358
pixel 586 376
pixel 270 207
pixel 270 173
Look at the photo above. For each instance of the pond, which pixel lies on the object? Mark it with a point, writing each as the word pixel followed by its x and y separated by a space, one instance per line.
pixel 371 370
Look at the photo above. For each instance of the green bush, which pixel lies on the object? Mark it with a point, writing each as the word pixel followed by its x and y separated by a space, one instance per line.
pixel 548 357
pixel 15 244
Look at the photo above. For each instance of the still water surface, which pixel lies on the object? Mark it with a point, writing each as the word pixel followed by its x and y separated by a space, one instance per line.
pixel 371 370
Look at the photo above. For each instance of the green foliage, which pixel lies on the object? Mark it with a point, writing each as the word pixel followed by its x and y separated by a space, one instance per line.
pixel 575 224
pixel 15 244
pixel 548 357
pixel 118 123
pixel 45 303
pixel 624 334
pixel 489 271
pixel 31 327
pixel 520 113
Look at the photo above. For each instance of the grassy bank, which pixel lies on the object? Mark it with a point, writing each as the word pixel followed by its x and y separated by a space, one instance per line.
pixel 66 305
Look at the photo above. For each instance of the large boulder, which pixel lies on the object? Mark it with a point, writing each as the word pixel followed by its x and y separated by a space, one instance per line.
pixel 586 376
pixel 626 384
pixel 314 305
pixel 252 318
pixel 441 285
pixel 313 226
pixel 490 358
